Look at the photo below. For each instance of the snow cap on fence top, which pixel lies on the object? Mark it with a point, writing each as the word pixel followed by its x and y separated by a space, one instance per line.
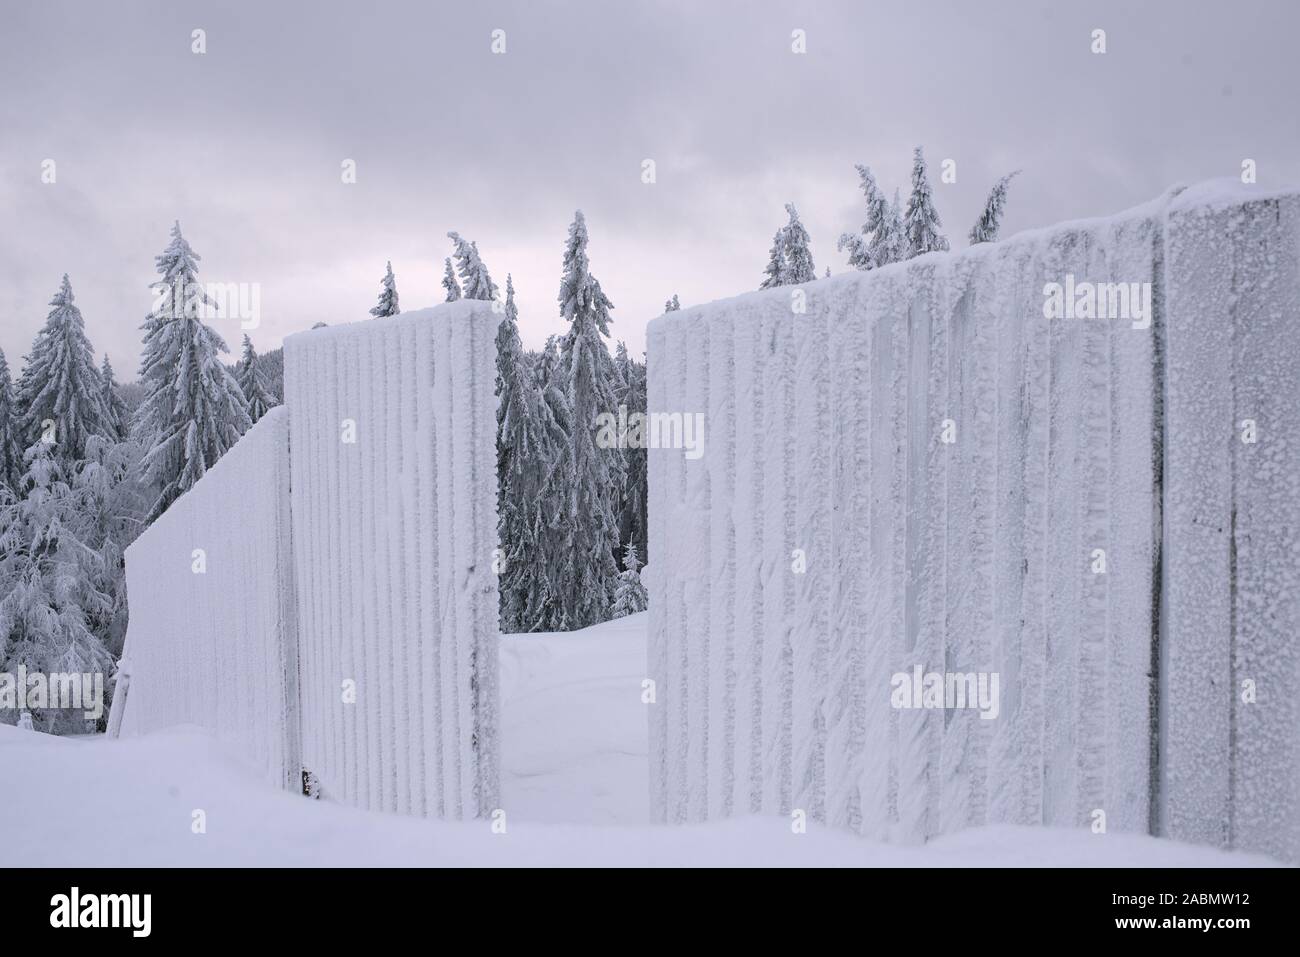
pixel 443 312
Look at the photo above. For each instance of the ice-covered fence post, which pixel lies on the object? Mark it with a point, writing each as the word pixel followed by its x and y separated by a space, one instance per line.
pixel 212 637
pixel 1230 662
pixel 394 505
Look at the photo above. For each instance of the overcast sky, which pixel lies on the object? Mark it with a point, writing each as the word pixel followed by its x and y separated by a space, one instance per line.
pixel 244 144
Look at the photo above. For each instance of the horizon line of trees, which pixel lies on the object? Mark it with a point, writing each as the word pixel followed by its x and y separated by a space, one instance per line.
pixel 890 234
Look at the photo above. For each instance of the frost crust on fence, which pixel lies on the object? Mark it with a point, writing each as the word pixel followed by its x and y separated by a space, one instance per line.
pixel 212 636
pixel 923 470
pixel 1230 654
pixel 394 509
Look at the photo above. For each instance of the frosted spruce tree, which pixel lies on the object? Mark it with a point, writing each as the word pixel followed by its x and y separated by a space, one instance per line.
pixel 49 599
pixel 515 533
pixel 629 594
pixel 474 279
pixel 986 227
pixel 549 590
pixel 775 272
pixel 622 369
pixel 856 244
pixel 252 382
pixel 635 494
pixel 387 305
pixel 524 454
pixel 118 417
pixel 595 473
pixel 193 409
pixel 449 281
pixel 112 506
pixel 789 261
pixel 798 253
pixel 895 245
pixel 672 305
pixel 59 392
pixel 11 455
pixel 870 248
pixel 922 223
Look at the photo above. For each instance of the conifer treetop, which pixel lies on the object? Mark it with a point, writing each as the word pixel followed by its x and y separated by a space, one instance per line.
pixel 921 222
pixel 580 293
pixel 798 254
pixel 449 282
pixel 60 385
pixel 476 283
pixel 388 302
pixel 775 272
pixel 987 226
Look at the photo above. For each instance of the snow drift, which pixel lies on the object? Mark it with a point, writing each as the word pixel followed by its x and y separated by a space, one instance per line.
pixel 392 433
pixel 915 467
pixel 213 635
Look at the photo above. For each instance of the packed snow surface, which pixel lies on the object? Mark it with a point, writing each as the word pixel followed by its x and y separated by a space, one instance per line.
pixel 573 760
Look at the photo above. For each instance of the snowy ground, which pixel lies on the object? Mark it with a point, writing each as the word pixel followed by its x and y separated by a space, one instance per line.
pixel 574 786
pixel 574 741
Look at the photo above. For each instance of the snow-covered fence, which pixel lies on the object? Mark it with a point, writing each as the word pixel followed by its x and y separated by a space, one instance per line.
pixel 212 638
pixel 394 510
pixel 915 471
pixel 1230 653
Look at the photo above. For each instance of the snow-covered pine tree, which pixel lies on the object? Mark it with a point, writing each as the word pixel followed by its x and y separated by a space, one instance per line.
pixel 59 392
pixel 48 576
pixel 632 517
pixel 868 249
pixel 922 223
pixel 596 473
pixel 520 473
pixel 474 278
pixel 623 368
pixel 387 305
pixel 449 281
pixel 193 409
pixel 252 382
pixel 629 594
pixel 111 506
pixel 986 227
pixel 625 371
pixel 549 587
pixel 798 254
pixel 895 245
pixel 118 418
pixel 775 273
pixel 856 244
pixel 672 305
pixel 11 456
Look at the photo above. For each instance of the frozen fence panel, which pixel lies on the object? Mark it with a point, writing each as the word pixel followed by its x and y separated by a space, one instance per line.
pixel 981 539
pixel 212 639
pixel 394 507
pixel 1230 663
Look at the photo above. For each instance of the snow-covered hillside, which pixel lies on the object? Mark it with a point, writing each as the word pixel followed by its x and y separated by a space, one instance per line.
pixel 574 760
